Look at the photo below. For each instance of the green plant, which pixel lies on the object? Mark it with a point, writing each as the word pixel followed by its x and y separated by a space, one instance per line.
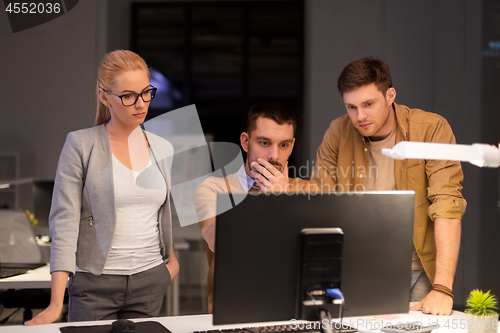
pixel 481 303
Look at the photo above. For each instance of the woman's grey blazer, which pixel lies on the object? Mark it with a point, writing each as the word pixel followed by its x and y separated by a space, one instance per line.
pixel 82 216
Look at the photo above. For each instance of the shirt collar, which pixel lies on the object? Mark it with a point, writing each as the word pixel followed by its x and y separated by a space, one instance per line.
pixel 245 180
pixel 383 143
pixel 402 115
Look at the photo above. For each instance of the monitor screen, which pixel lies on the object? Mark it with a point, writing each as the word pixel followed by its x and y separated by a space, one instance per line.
pixel 257 253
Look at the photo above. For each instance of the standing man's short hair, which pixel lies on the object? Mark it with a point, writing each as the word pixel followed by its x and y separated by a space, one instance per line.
pixel 276 111
pixel 365 71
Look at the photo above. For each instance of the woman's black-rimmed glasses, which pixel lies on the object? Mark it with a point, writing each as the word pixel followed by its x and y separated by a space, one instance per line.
pixel 130 99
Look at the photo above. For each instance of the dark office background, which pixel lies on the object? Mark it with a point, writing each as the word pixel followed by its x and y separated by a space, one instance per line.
pixel 226 55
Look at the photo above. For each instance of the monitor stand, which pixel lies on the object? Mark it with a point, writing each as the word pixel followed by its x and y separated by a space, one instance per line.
pixel 320 276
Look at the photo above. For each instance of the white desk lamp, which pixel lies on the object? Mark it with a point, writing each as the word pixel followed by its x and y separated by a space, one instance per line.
pixel 479 154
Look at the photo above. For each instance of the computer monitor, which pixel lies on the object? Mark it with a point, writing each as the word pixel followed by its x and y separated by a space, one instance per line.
pixel 257 253
pixel 42 200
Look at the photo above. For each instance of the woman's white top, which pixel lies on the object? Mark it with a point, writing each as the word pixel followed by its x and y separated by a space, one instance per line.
pixel 136 241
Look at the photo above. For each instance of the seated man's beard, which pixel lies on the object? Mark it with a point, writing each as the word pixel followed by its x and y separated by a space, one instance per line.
pixel 276 164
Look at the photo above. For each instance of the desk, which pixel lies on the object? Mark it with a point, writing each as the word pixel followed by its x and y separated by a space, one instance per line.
pixel 40 279
pixel 187 324
pixel 34 279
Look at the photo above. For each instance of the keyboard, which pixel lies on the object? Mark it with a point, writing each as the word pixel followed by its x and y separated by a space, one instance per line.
pixel 8 269
pixel 5 273
pixel 297 327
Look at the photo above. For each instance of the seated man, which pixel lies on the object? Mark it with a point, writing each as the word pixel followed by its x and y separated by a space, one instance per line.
pixel 268 142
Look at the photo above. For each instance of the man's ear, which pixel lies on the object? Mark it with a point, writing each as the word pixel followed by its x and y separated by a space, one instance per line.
pixel 103 98
pixel 244 137
pixel 390 95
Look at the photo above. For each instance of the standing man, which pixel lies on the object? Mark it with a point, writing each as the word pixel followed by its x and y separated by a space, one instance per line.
pixel 268 142
pixel 350 158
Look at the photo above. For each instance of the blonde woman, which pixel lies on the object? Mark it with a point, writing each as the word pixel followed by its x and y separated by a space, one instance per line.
pixel 110 219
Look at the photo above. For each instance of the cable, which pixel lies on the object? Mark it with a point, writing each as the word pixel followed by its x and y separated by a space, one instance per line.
pixel 314 304
pixel 335 293
pixel 325 315
pixel 3 321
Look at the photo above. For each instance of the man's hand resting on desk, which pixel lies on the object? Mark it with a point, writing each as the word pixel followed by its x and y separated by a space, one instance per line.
pixel 58 287
pixel 447 232
pixel 435 303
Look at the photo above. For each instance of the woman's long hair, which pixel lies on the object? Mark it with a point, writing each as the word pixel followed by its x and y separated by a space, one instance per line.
pixel 113 65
